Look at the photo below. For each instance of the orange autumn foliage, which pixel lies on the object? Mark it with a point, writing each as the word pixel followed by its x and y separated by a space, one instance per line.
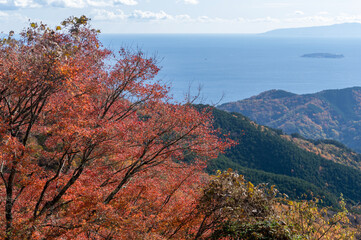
pixel 90 145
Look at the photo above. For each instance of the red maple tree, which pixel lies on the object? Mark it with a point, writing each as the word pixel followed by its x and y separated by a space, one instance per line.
pixel 90 144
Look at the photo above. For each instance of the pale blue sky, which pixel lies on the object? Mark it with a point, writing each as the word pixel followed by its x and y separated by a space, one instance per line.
pixel 182 16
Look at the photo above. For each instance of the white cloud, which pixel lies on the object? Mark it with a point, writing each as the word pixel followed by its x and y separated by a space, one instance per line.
pixel 323 13
pixel 183 18
pixel 126 2
pixel 13 16
pixel 277 5
pixel 97 3
pixel 348 18
pixel 298 18
pixel 311 19
pixel 13 4
pixel 297 13
pixel 12 21
pixel 3 14
pixel 148 15
pixel 102 14
pixel 63 3
pixel 263 20
pixel 22 3
pixel 322 19
pixel 206 19
pixel 193 2
pixel 137 15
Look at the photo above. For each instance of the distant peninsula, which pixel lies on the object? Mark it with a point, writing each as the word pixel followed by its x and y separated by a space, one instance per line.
pixel 344 30
pixel 322 55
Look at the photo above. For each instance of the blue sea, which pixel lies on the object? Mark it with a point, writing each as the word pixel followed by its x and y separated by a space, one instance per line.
pixel 234 67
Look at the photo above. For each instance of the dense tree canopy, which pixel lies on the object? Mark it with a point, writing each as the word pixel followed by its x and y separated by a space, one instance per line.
pixel 90 144
pixel 262 155
pixel 91 147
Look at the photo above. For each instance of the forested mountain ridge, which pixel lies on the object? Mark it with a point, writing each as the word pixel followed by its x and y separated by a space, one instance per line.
pixel 263 154
pixel 328 149
pixel 330 114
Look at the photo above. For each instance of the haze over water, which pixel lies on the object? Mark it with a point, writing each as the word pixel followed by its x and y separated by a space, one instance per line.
pixel 240 66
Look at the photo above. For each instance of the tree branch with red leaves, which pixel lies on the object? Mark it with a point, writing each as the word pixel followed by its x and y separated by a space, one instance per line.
pixel 91 149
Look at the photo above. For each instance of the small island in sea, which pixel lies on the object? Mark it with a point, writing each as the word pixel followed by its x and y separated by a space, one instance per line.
pixel 322 55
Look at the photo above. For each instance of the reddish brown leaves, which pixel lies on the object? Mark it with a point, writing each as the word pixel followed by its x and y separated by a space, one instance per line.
pixel 93 150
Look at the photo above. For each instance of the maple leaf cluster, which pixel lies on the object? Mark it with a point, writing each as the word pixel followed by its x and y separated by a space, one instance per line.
pixel 90 145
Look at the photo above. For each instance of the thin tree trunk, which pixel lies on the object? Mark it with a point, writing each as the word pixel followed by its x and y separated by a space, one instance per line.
pixel 9 204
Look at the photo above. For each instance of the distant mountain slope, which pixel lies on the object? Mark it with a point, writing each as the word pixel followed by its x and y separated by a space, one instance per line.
pixel 333 114
pixel 328 149
pixel 264 155
pixel 345 30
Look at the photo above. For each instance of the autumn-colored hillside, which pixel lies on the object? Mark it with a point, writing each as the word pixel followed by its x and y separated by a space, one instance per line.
pixel 328 149
pixel 294 165
pixel 330 114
